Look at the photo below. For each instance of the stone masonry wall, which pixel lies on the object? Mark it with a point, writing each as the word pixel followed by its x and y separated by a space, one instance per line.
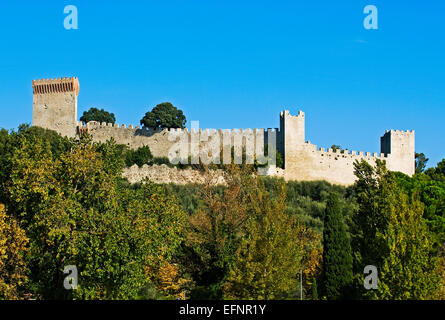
pixel 55 107
pixel 164 174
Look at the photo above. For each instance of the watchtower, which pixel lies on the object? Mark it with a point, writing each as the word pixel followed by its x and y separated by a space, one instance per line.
pixel 55 104
pixel 400 146
pixel 292 135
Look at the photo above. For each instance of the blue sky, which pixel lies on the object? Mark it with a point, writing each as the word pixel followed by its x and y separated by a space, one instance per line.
pixel 237 64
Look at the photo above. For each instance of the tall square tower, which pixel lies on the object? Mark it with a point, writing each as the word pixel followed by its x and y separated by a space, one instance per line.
pixel 55 104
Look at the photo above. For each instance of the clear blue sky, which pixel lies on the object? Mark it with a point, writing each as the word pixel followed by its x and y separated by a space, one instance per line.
pixel 236 64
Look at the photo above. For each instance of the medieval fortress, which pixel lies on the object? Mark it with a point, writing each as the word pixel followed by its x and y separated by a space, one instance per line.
pixel 55 107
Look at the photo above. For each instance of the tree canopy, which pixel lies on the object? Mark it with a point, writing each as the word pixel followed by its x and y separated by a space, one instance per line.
pixel 64 202
pixel 390 234
pixel 164 115
pixel 94 114
pixel 337 257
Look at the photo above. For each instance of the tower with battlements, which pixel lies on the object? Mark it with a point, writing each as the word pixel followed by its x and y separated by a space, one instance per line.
pixel 400 146
pixel 55 104
pixel 305 161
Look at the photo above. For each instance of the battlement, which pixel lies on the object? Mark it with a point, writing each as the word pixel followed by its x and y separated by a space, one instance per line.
pixel 45 86
pixel 284 113
pixel 55 108
pixel 96 125
pixel 400 132
pixel 352 154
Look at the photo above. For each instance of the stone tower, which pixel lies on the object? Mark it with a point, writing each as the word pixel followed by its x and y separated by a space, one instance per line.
pixel 55 104
pixel 400 147
pixel 292 135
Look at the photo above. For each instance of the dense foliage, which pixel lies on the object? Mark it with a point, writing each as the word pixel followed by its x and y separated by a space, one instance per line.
pixel 64 202
pixel 75 212
pixel 337 257
pixel 139 157
pixel 164 115
pixel 389 232
pixel 94 114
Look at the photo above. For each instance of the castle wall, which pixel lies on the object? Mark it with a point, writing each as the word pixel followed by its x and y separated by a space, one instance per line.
pixel 55 107
pixel 164 174
pixel 133 137
pixel 160 142
pixel 303 161
pixel 320 164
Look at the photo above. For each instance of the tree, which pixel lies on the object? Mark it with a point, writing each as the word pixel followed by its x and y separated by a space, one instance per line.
pixel 164 115
pixel 336 147
pixel 437 173
pixel 267 260
pixel 139 156
pixel 76 213
pixel 168 280
pixel 13 243
pixel 337 258
pixel 390 233
pixel 314 290
pixel 421 161
pixel 215 230
pixel 95 114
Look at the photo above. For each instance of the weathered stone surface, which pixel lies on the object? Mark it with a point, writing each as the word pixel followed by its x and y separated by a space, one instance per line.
pixel 164 174
pixel 304 161
pixel 55 107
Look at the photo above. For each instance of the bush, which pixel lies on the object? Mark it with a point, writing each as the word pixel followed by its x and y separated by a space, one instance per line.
pixel 162 160
pixel 139 156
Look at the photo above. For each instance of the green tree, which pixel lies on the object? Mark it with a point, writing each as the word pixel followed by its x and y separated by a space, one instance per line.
pixel 268 259
pixel 437 173
pixel 13 242
pixel 390 233
pixel 337 258
pixel 215 230
pixel 94 114
pixel 314 290
pixel 420 162
pixel 164 115
pixel 76 213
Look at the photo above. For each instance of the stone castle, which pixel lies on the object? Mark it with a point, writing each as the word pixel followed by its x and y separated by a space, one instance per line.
pixel 55 107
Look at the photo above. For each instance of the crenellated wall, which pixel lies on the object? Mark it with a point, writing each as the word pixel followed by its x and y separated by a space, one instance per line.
pixel 55 107
pixel 334 166
pixel 210 141
pixel 304 161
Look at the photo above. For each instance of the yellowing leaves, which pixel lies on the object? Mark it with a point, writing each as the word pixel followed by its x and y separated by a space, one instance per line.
pixel 13 243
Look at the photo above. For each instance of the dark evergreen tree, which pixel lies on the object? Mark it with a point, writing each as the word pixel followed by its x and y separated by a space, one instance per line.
pixel 164 115
pixel 95 114
pixel 420 162
pixel 337 257
pixel 139 156
pixel 314 290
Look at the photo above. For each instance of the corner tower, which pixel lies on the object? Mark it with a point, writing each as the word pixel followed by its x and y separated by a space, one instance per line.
pixel 400 147
pixel 55 104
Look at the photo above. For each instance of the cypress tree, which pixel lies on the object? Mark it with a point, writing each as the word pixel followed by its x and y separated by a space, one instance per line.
pixel 314 290
pixel 337 257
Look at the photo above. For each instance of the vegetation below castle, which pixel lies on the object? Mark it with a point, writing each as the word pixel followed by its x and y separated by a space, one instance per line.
pixel 64 202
